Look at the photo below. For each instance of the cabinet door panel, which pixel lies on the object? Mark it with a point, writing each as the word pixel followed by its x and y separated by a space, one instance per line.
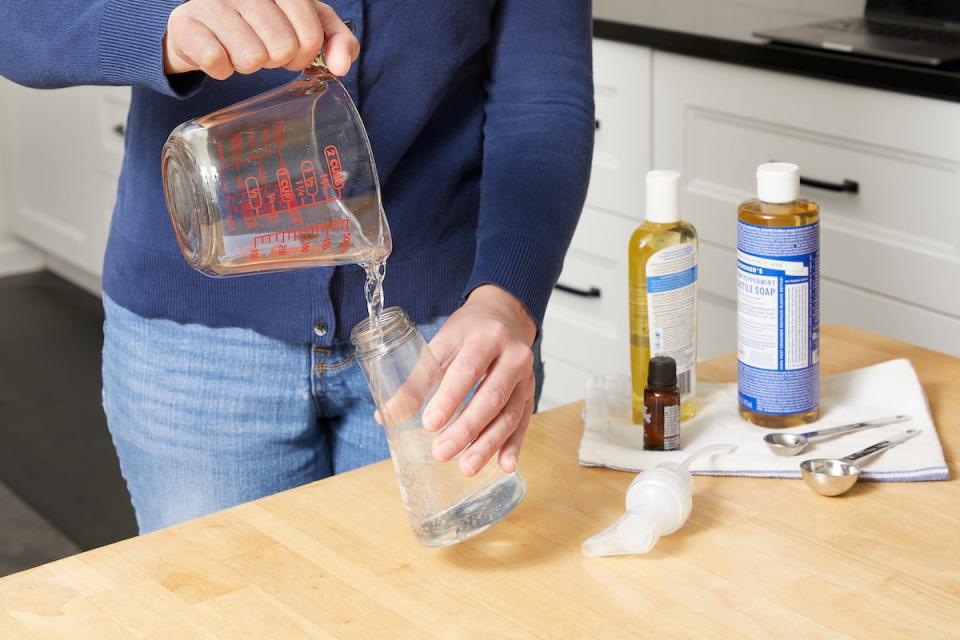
pixel 621 153
pixel 62 168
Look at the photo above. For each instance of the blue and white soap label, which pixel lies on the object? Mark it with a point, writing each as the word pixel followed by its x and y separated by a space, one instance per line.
pixel 672 310
pixel 778 317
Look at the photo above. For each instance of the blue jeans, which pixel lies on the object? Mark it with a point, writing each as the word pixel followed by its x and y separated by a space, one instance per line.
pixel 203 418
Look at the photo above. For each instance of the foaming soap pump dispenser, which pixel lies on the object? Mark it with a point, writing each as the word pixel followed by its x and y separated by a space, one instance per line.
pixel 659 502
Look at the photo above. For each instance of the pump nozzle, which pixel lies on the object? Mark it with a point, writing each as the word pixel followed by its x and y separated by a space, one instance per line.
pixel 632 533
pixel 707 451
pixel 658 503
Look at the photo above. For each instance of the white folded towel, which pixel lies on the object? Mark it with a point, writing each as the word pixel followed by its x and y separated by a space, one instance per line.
pixel 610 439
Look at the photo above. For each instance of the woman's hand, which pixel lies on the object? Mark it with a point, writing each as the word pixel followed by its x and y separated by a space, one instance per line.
pixel 487 340
pixel 220 37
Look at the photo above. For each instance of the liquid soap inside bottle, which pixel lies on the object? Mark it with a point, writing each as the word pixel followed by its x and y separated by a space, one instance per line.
pixel 778 302
pixel 663 292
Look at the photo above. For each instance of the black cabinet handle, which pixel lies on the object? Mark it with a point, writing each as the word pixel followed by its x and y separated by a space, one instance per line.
pixel 847 186
pixel 119 129
pixel 596 125
pixel 592 292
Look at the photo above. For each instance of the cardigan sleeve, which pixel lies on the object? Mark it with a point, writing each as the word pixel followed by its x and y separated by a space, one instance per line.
pixel 538 144
pixel 59 43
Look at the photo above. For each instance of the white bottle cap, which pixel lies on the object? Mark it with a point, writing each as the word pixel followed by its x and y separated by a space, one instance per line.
pixel 778 182
pixel 663 196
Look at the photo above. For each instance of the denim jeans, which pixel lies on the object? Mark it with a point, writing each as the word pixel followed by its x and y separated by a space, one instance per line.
pixel 205 418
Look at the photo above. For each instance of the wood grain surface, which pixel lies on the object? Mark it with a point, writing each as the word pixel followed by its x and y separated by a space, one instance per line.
pixel 335 559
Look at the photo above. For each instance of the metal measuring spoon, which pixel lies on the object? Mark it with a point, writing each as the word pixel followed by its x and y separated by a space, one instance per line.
pixel 790 444
pixel 832 477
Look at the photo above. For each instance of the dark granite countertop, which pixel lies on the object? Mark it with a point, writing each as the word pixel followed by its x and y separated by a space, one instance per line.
pixel 722 30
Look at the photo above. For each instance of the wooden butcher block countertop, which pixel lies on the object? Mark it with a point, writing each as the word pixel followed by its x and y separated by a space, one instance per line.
pixel 758 557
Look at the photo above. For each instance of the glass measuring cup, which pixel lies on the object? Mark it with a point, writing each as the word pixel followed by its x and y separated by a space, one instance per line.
pixel 281 181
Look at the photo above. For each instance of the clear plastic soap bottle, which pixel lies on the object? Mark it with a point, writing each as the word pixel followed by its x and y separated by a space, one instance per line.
pixel 778 301
pixel 444 506
pixel 663 292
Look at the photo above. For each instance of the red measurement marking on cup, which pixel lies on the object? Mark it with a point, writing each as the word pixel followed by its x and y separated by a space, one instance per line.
pixel 227 212
pixel 303 235
pixel 236 149
pixel 284 184
pixel 332 155
pixel 253 193
pixel 329 193
pixel 309 173
pixel 287 199
pixel 267 149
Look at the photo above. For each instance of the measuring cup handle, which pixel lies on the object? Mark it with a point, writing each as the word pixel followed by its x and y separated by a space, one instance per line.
pixel 856 426
pixel 881 446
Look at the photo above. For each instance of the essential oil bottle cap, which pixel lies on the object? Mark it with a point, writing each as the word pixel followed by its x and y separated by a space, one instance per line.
pixel 663 196
pixel 662 372
pixel 778 182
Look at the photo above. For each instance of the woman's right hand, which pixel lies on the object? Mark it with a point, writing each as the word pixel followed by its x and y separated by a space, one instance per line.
pixel 220 37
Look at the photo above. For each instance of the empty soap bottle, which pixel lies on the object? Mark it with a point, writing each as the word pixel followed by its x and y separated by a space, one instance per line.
pixel 661 406
pixel 663 292
pixel 778 301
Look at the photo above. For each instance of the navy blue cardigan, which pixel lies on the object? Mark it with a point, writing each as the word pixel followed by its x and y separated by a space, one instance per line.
pixel 480 113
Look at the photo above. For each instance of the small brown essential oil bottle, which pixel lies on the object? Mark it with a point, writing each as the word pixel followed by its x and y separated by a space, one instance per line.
pixel 661 406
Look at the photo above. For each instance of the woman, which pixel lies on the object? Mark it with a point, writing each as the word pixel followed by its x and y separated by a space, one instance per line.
pixel 480 116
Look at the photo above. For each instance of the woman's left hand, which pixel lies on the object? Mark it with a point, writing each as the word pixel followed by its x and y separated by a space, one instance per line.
pixel 487 340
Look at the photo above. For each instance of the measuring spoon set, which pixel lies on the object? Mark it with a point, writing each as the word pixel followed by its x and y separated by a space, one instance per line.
pixel 833 477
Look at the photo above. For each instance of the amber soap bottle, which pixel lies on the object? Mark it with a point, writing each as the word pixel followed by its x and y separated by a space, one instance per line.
pixel 661 406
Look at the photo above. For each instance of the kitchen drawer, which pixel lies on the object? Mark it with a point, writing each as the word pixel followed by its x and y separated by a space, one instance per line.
pixel 621 155
pixel 592 333
pixel 899 236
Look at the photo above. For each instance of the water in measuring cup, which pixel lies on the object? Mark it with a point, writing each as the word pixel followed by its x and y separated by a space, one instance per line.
pixel 339 240
pixel 444 508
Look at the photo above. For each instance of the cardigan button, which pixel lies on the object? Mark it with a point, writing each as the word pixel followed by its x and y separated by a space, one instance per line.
pixel 321 328
pixel 350 25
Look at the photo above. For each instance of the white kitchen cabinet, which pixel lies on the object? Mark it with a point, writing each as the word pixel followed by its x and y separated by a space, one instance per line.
pixel 63 149
pixel 621 153
pixel 585 335
pixel 890 252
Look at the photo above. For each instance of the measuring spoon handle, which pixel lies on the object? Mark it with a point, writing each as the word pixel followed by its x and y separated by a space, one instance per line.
pixel 856 426
pixel 881 446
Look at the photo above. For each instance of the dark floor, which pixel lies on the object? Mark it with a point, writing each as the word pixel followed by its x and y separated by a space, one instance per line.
pixel 60 484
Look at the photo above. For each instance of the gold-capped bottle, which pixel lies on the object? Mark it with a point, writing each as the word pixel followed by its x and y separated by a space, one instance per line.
pixel 663 292
pixel 778 301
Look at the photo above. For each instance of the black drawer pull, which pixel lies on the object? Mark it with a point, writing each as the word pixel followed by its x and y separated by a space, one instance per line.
pixel 847 186
pixel 592 292
pixel 119 129
pixel 596 125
